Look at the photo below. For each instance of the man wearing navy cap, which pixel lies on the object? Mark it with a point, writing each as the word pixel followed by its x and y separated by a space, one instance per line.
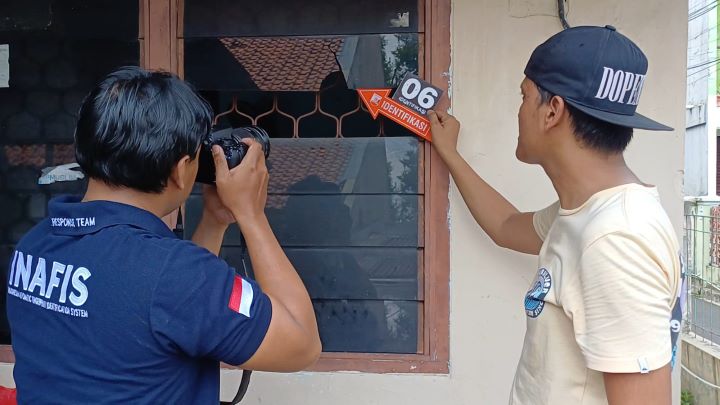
pixel 603 313
pixel 107 305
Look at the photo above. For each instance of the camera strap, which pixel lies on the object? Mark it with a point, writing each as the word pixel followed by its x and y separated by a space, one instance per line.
pixel 179 231
pixel 245 379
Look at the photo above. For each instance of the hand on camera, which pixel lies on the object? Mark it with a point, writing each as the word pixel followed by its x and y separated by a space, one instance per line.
pixel 214 210
pixel 243 189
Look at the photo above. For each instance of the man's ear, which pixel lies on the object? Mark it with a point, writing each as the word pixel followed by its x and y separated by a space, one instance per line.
pixel 179 173
pixel 557 108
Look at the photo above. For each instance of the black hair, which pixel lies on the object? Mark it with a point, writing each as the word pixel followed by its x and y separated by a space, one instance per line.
pixel 136 125
pixel 592 132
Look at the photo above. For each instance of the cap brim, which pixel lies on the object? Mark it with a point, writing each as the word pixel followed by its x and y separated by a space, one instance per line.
pixel 632 121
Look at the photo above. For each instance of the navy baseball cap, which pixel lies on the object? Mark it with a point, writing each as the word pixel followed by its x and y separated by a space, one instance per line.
pixel 596 70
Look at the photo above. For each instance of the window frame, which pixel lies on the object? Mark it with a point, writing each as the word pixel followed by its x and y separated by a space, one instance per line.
pixel 434 359
pixel 161 47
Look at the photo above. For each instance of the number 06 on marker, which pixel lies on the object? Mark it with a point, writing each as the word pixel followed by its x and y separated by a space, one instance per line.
pixel 408 106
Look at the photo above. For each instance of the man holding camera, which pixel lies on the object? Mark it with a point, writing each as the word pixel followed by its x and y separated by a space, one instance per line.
pixel 106 305
pixel 603 312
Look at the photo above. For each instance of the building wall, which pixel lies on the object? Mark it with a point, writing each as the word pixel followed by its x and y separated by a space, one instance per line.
pixel 491 41
pixel 696 159
pixel 701 110
pixel 704 361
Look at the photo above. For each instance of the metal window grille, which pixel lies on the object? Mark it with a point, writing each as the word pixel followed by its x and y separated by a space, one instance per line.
pixel 351 108
pixel 702 251
pixel 317 109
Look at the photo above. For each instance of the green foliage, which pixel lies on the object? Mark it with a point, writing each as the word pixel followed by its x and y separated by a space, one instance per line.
pixel 404 58
pixel 686 398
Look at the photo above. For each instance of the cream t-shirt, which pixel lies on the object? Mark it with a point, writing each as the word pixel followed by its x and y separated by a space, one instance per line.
pixel 609 276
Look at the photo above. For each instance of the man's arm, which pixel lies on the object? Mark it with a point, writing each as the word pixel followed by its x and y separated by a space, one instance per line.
pixel 209 236
pixel 292 341
pixel 213 223
pixel 505 224
pixel 622 315
pixel 653 388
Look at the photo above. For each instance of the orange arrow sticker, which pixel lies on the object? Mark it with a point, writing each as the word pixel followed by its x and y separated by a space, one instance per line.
pixel 378 102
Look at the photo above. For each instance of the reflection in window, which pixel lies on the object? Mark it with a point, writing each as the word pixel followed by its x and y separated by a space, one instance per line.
pixel 58 50
pixel 291 17
pixel 299 63
pixel 346 212
pixel 346 191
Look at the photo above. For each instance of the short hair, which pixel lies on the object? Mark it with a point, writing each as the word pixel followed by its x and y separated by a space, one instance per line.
pixel 135 125
pixel 592 132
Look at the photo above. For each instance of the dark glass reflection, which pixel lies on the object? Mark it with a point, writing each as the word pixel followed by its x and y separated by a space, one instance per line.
pixel 58 50
pixel 344 166
pixel 213 18
pixel 338 220
pixel 348 273
pixel 332 220
pixel 347 213
pixel 339 192
pixel 107 19
pixel 368 326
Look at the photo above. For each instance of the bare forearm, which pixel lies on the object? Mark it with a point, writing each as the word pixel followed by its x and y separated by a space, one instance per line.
pixel 209 236
pixel 275 274
pixel 489 208
pixel 653 388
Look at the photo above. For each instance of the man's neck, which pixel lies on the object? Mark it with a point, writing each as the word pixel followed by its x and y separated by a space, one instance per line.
pixel 154 203
pixel 577 176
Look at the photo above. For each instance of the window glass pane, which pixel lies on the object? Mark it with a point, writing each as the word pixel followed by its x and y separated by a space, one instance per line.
pixel 344 166
pixel 203 18
pixel 360 55
pixel 349 273
pixel 57 52
pixel 368 326
pixel 300 63
pixel 355 220
pixel 365 300
pixel 109 19
pixel 346 192
pixel 332 220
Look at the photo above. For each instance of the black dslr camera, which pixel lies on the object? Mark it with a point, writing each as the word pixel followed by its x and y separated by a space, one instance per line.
pixel 230 140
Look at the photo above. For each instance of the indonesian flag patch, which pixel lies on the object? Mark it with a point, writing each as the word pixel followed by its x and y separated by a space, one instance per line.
pixel 241 298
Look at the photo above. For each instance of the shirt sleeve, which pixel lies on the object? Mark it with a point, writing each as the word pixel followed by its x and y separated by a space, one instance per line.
pixel 543 219
pixel 621 312
pixel 203 309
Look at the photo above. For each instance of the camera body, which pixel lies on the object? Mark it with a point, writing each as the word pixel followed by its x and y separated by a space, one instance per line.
pixel 230 139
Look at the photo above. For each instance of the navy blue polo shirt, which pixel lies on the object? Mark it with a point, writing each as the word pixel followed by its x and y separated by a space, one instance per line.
pixel 107 305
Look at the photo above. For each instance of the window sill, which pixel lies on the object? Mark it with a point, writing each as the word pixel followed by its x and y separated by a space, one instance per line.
pixel 331 362
pixel 376 363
